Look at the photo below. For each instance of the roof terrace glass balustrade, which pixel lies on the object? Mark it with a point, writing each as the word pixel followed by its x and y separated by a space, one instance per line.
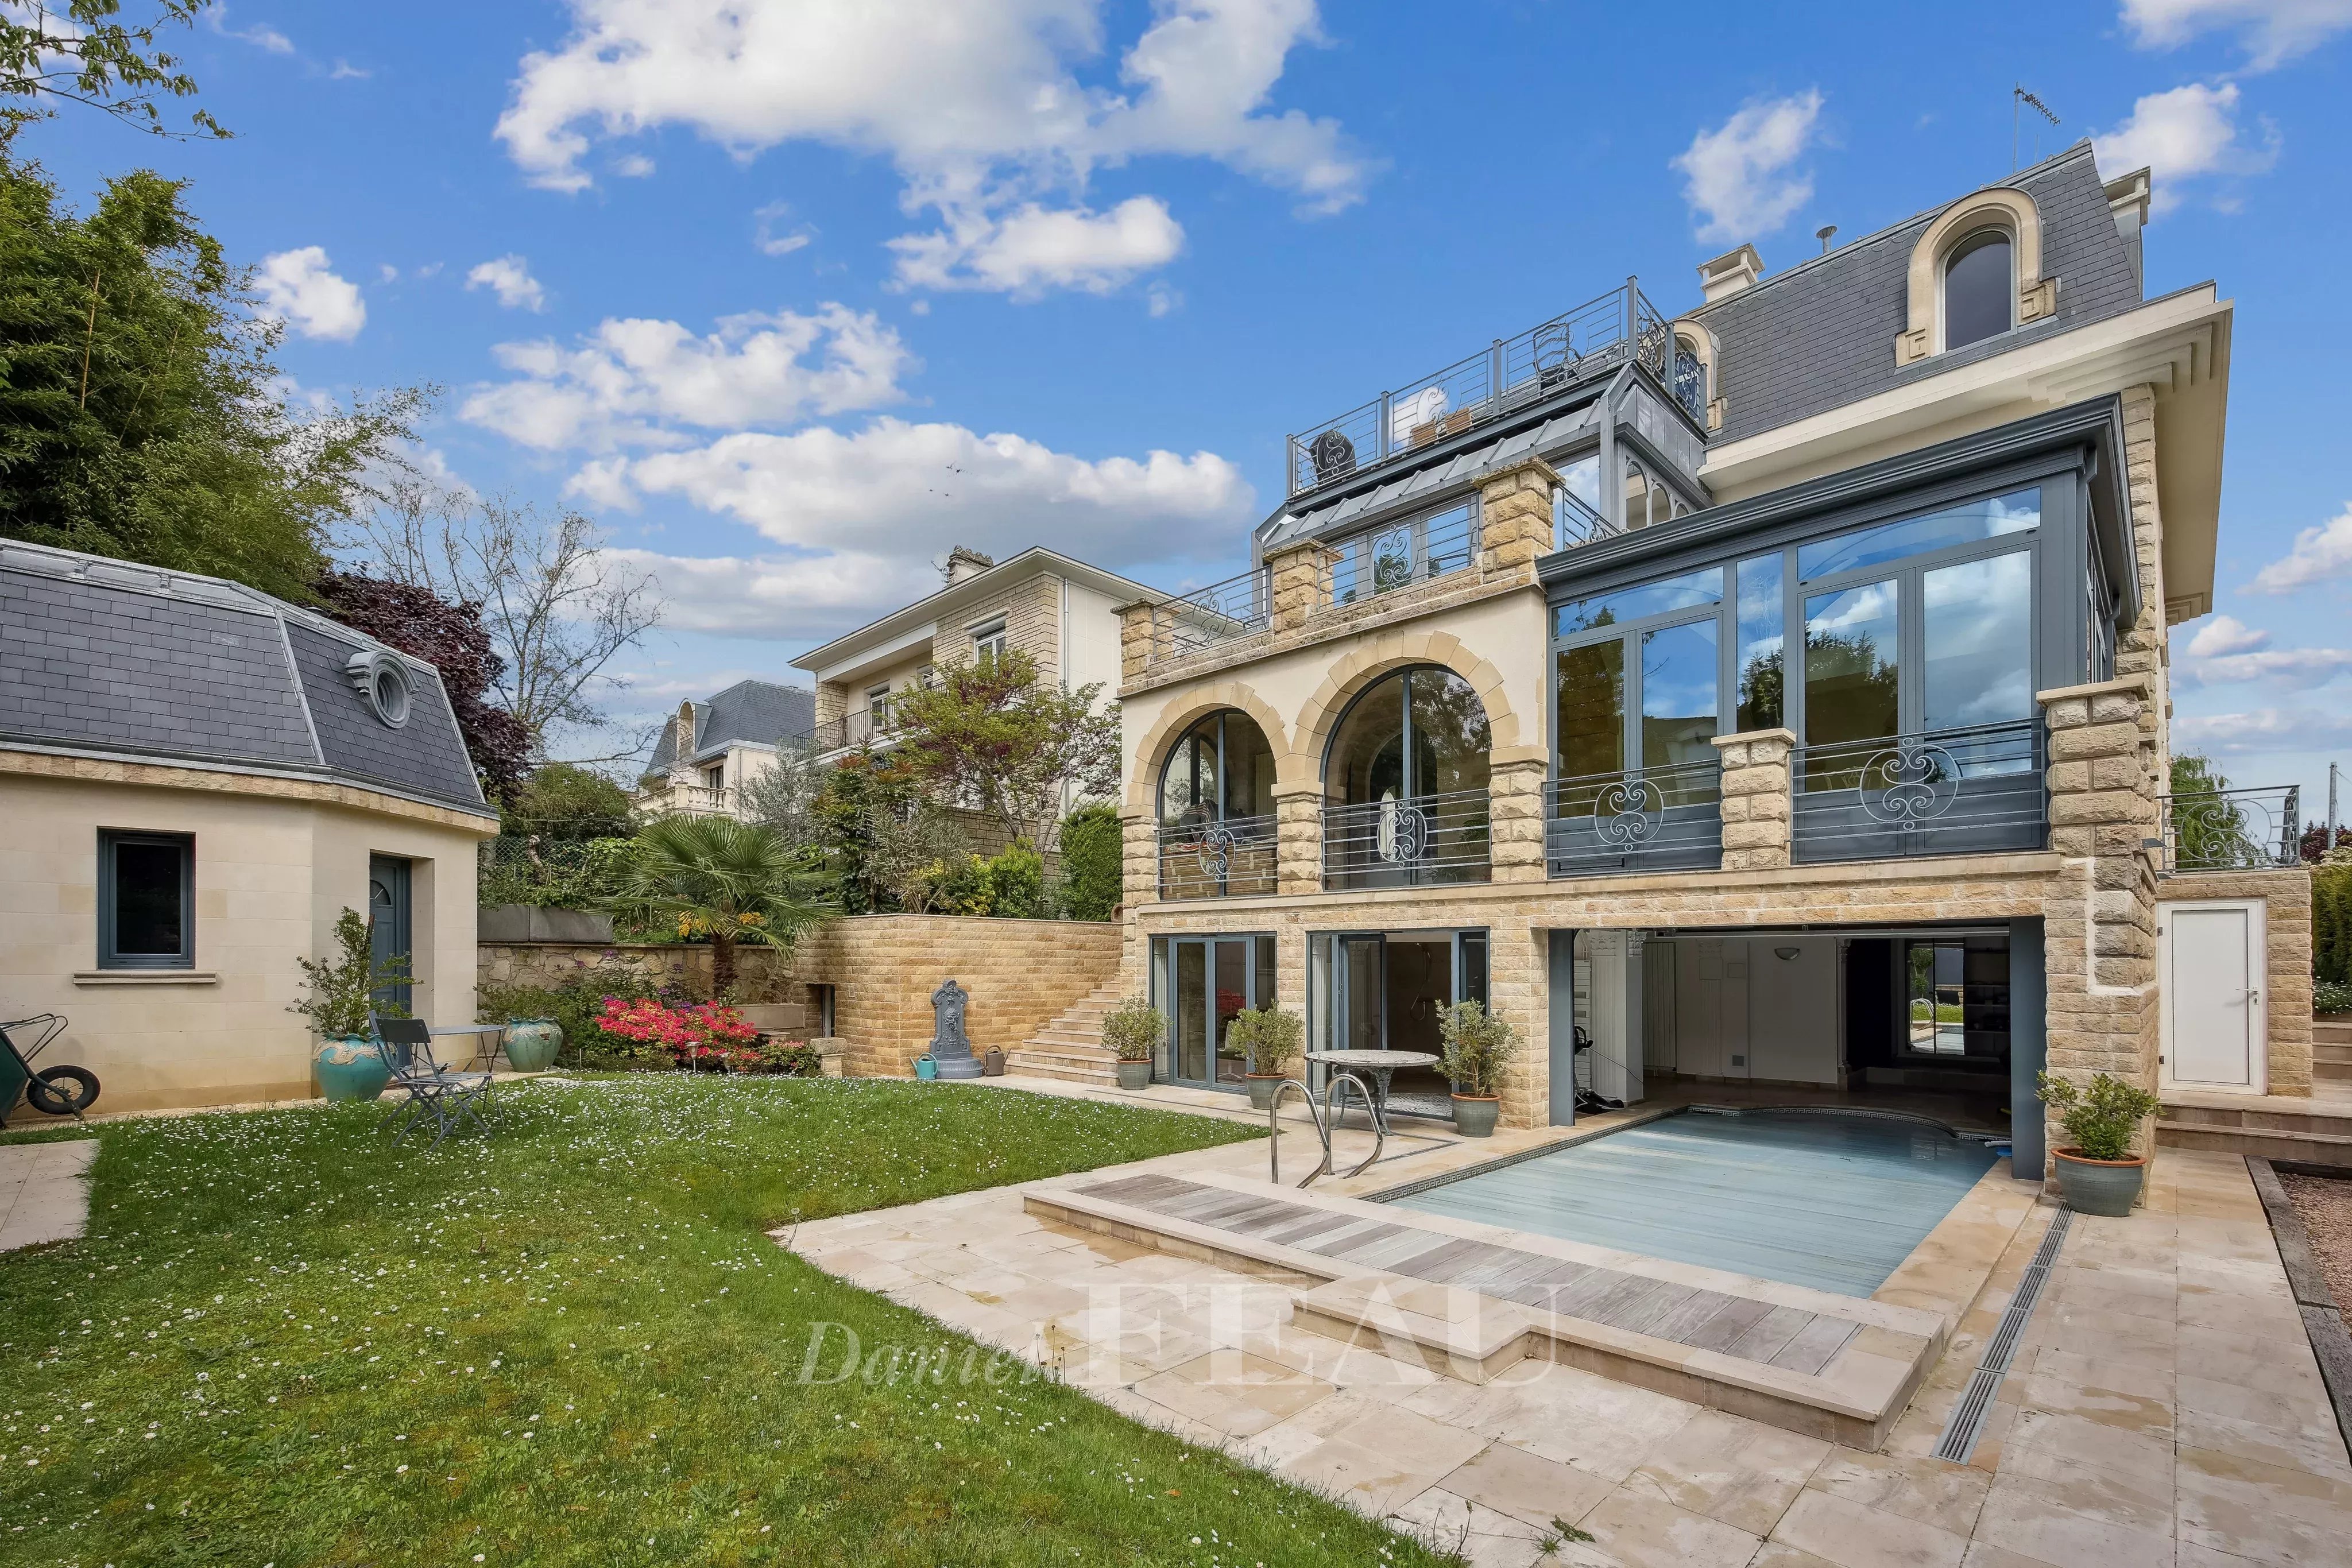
pixel 1578 345
pixel 1226 611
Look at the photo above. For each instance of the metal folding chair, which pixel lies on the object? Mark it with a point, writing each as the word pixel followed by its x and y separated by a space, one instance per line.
pixel 436 1095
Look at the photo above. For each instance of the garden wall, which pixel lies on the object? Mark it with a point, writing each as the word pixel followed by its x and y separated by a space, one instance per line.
pixel 1022 974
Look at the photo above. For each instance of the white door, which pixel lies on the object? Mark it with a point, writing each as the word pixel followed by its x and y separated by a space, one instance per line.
pixel 2214 1017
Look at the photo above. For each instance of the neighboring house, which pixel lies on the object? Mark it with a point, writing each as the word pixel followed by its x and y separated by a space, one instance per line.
pixel 1063 613
pixel 711 750
pixel 1775 692
pixel 196 781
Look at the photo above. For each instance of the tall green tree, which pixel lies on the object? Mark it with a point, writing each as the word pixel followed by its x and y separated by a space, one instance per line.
pixel 991 736
pixel 141 415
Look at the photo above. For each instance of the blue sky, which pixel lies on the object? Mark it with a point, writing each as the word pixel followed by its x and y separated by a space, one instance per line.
pixel 796 297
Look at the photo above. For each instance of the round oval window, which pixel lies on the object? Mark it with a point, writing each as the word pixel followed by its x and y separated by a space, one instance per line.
pixel 392 696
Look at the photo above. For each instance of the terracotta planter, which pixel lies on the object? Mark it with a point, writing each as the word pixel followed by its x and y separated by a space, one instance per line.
pixel 1474 1114
pixel 2100 1187
pixel 1261 1088
pixel 1134 1076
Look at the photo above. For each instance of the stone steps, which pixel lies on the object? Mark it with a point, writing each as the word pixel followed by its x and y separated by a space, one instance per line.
pixel 2319 1130
pixel 1070 1048
pixel 2330 1031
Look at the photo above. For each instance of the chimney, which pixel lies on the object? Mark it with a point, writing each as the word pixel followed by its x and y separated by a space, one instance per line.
pixel 965 563
pixel 1729 273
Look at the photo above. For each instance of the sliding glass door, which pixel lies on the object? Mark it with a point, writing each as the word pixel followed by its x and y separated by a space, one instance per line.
pixel 1200 983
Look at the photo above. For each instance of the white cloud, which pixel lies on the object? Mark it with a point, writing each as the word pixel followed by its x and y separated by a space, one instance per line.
pixel 979 104
pixel 2262 730
pixel 632 379
pixel 926 488
pixel 1738 178
pixel 1032 249
pixel 634 166
pixel 2226 634
pixel 2183 134
pixel 346 71
pixel 768 237
pixel 2271 30
pixel 299 289
pixel 1163 299
pixel 787 597
pixel 2319 554
pixel 510 276
pixel 261 35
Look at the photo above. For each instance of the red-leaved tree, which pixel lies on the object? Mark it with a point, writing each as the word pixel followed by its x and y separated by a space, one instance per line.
pixel 450 638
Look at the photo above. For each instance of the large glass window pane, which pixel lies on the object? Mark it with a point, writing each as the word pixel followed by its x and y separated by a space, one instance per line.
pixel 148 916
pixel 1450 739
pixel 1249 767
pixel 1851 651
pixel 1576 505
pixel 1188 1020
pixel 1702 587
pixel 1589 697
pixel 1366 760
pixel 1187 789
pixel 1681 682
pixel 1969 523
pixel 1978 292
pixel 1470 974
pixel 1760 640
pixel 1637 497
pixel 1979 641
pixel 1232 978
pixel 1364 995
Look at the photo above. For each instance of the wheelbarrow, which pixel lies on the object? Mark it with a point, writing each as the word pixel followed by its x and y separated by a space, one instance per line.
pixel 54 1091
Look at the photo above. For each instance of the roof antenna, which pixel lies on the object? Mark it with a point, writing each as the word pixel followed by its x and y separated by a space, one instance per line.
pixel 2018 96
pixel 1825 234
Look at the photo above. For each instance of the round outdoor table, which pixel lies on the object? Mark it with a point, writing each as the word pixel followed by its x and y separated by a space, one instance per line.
pixel 1379 1064
pixel 495 1032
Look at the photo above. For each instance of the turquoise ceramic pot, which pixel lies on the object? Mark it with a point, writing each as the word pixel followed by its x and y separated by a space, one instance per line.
pixel 531 1044
pixel 350 1069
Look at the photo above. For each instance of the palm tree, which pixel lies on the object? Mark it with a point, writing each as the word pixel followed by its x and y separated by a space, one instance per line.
pixel 730 882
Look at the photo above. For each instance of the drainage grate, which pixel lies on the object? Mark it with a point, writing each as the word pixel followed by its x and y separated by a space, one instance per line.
pixel 1968 1416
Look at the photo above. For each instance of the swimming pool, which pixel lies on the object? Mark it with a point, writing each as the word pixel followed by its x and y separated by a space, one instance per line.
pixel 1835 1202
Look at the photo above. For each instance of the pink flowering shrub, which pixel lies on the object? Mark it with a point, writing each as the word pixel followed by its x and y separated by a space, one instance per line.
pixel 704 1032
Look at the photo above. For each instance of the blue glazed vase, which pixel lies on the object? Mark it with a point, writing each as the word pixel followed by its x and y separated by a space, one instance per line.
pixel 350 1069
pixel 531 1044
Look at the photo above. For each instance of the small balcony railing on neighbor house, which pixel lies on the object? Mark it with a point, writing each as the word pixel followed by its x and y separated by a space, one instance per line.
pixel 1974 789
pixel 1413 843
pixel 697 800
pixel 2231 829
pixel 1593 339
pixel 1639 819
pixel 853 729
pixel 1221 612
pixel 1229 858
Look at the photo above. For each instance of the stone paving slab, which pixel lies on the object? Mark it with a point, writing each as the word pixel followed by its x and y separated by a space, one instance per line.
pixel 44 1192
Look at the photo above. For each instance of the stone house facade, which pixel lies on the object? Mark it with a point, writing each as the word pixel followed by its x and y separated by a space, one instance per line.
pixel 709 750
pixel 1770 696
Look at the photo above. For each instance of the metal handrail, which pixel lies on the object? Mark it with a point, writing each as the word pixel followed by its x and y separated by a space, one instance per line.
pixel 1421 838
pixel 2231 829
pixel 1322 1129
pixel 1224 611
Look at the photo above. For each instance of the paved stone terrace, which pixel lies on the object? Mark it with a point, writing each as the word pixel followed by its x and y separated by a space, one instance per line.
pixel 2163 1411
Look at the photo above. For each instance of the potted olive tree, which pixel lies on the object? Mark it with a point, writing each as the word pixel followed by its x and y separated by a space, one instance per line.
pixel 1478 1049
pixel 1271 1037
pixel 1133 1031
pixel 342 994
pixel 2098 1173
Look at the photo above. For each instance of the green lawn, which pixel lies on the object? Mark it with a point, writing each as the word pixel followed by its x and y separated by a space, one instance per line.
pixel 286 1342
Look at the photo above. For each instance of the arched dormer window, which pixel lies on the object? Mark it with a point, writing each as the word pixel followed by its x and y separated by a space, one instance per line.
pixel 1980 295
pixel 1976 273
pixel 1693 374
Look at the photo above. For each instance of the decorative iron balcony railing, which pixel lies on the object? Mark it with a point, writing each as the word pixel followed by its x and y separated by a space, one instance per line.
pixel 1409 842
pixel 1229 858
pixel 1403 555
pixel 1639 819
pixel 1967 791
pixel 1590 341
pixel 1221 612
pixel 2231 830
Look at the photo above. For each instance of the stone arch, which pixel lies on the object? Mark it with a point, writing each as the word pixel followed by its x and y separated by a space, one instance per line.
pixel 2002 207
pixel 1359 669
pixel 1151 756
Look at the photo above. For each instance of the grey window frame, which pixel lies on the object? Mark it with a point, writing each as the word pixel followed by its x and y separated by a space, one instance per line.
pixel 2063 547
pixel 109 956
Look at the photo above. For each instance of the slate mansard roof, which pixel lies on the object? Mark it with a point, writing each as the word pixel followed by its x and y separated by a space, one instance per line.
pixel 108 657
pixel 760 712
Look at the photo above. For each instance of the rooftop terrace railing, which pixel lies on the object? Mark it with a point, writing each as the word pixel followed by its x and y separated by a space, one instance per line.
pixel 1592 339
pixel 2231 830
pixel 1220 612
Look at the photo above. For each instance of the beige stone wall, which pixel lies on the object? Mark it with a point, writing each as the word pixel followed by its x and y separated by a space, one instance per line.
pixel 273 869
pixel 1022 974
pixel 761 976
pixel 2285 895
pixel 1518 916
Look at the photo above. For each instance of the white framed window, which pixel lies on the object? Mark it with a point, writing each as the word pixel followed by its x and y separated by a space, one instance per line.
pixel 1979 288
pixel 878 705
pixel 988 641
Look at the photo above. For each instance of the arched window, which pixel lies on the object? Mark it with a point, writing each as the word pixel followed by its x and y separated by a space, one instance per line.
pixel 1405 783
pixel 1979 288
pixel 1216 811
pixel 1690 377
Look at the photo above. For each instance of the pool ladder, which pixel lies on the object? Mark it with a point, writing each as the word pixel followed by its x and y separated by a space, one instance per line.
pixel 1323 1129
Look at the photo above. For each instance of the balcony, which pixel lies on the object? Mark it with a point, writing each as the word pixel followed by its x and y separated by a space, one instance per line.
pixel 1639 820
pixel 1222 612
pixel 1970 790
pixel 853 729
pixel 1229 858
pixel 1417 842
pixel 693 801
pixel 1581 345
pixel 2231 830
